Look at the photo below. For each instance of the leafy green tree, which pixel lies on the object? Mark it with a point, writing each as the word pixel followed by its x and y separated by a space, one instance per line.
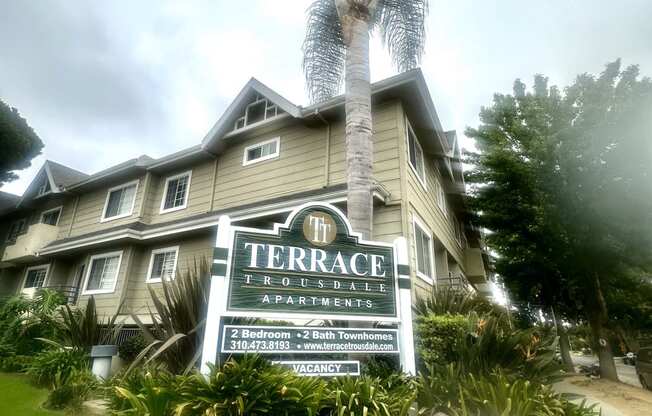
pixel 562 179
pixel 18 141
pixel 337 46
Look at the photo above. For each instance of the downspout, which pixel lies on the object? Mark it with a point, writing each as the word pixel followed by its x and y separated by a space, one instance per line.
pixel 327 157
pixel 213 184
pixel 74 214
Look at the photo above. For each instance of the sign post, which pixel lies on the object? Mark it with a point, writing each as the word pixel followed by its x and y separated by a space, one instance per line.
pixel 312 267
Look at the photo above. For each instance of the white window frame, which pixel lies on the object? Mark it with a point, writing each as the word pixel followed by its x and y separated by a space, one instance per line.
pixel 274 155
pixel 416 222
pixel 89 268
pixel 59 208
pixel 408 129
pixel 151 263
pixel 165 192
pixel 440 195
pixel 40 266
pixel 108 195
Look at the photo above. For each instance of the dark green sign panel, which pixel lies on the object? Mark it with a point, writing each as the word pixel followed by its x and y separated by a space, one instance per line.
pixel 308 340
pixel 323 368
pixel 311 266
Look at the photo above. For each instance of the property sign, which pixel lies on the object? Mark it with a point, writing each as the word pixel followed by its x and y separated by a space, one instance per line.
pixel 308 340
pixel 323 368
pixel 313 266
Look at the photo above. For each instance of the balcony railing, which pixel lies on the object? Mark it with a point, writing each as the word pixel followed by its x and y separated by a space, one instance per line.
pixel 456 282
pixel 70 293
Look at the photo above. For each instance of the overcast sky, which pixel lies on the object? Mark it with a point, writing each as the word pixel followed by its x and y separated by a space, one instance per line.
pixel 102 82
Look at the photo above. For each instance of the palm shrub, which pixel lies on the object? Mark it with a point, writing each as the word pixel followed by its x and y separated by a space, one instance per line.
pixel 72 390
pixel 250 386
pixel 152 393
pixel 178 319
pixel 455 302
pixel 366 396
pixel 83 328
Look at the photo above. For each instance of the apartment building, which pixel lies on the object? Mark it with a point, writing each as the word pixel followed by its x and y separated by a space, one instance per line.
pixel 117 232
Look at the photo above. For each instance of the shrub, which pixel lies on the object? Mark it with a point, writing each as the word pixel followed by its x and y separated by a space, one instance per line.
pixel 150 393
pixel 366 396
pixel 59 362
pixel 439 337
pixel 131 347
pixel 135 383
pixel 455 302
pixel 250 386
pixel 15 363
pixel 71 391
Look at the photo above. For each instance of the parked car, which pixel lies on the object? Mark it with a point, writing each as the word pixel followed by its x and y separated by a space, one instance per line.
pixel 644 367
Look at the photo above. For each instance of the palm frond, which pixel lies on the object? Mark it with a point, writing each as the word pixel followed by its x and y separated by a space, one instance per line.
pixel 402 27
pixel 323 51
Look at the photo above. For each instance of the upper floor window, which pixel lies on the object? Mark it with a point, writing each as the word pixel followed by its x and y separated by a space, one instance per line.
pixel 258 152
pixel 175 195
pixel 51 216
pixel 416 155
pixel 424 250
pixel 440 196
pixel 35 276
pixel 258 110
pixel 16 228
pixel 163 264
pixel 102 275
pixel 120 201
pixel 44 188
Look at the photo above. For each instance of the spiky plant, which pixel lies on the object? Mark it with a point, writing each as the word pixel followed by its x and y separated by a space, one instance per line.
pixel 336 47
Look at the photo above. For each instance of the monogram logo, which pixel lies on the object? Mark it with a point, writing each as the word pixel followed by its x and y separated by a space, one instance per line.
pixel 319 228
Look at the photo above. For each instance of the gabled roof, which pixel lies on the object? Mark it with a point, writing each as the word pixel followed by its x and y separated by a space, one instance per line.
pixel 58 176
pixel 234 110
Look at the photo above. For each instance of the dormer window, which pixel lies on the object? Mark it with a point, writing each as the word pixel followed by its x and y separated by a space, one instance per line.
pixel 44 188
pixel 259 109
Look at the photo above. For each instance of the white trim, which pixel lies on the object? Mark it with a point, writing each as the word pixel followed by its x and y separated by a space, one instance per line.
pixel 151 262
pixel 40 266
pixel 408 129
pixel 416 222
pixel 59 208
pixel 206 222
pixel 165 192
pixel 108 195
pixel 274 155
pixel 90 267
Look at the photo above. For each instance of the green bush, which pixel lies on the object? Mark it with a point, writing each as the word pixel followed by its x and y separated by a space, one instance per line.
pixel 366 396
pixel 15 363
pixel 439 337
pixel 131 347
pixel 144 386
pixel 71 391
pixel 250 386
pixel 59 362
pixel 455 393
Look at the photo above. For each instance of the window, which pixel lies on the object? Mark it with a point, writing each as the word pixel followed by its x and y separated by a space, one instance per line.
pixel 44 187
pixel 17 228
pixel 35 276
pixel 102 274
pixel 163 264
pixel 258 110
pixel 424 250
pixel 175 196
pixel 120 201
pixel 261 151
pixel 416 155
pixel 51 216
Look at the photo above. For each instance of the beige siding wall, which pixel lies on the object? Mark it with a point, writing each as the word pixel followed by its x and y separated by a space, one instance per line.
pixel 89 211
pixel 386 166
pixel 191 250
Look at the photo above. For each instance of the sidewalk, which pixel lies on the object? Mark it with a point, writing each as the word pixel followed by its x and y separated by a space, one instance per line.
pixel 615 399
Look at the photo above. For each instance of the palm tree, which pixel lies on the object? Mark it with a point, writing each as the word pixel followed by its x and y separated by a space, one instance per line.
pixel 337 45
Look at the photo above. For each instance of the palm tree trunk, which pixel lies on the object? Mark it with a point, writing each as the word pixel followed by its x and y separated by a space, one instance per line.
pixel 359 145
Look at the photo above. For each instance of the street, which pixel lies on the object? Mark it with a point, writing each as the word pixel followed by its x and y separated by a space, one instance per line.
pixel 626 373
